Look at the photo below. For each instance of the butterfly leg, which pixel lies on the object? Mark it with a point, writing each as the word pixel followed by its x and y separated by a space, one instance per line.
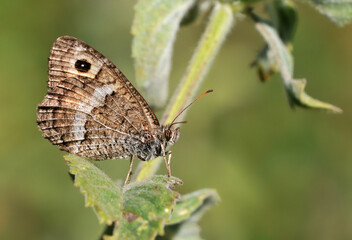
pixel 129 172
pixel 169 158
pixel 167 166
pixel 167 162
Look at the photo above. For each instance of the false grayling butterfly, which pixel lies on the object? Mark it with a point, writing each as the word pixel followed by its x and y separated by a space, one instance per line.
pixel 92 110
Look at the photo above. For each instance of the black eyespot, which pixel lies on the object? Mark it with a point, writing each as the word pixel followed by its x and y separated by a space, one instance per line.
pixel 82 66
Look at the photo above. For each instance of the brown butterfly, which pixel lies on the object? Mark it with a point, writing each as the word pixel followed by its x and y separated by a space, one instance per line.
pixel 92 110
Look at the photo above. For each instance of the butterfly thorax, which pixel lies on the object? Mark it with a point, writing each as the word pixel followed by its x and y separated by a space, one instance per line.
pixel 154 144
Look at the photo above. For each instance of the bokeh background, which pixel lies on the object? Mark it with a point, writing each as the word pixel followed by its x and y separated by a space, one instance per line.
pixel 281 174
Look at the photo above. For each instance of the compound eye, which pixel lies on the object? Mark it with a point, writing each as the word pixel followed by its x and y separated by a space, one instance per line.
pixel 168 135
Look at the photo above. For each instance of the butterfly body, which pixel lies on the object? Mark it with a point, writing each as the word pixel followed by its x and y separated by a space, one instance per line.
pixel 92 110
pixel 148 147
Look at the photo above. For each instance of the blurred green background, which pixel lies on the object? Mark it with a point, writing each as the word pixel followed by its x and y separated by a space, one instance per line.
pixel 281 174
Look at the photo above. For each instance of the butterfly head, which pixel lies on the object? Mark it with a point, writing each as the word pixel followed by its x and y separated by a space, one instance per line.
pixel 157 143
pixel 171 135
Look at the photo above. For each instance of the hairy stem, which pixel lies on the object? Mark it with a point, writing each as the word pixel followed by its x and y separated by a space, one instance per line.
pixel 219 24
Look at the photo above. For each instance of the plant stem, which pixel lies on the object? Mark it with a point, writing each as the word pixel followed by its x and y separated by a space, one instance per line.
pixel 219 24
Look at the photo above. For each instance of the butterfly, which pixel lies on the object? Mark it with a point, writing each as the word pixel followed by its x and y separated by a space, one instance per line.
pixel 91 109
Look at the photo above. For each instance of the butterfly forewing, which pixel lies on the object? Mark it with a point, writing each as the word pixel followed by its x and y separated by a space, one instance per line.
pixel 91 108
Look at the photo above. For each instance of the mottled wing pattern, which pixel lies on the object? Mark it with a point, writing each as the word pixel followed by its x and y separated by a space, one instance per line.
pixel 91 108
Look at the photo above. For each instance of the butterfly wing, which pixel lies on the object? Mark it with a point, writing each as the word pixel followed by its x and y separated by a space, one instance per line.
pixel 91 109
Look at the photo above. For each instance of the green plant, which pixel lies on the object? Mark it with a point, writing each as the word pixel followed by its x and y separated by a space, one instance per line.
pixel 149 206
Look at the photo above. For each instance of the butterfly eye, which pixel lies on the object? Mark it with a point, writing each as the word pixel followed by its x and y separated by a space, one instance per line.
pixel 167 135
pixel 82 66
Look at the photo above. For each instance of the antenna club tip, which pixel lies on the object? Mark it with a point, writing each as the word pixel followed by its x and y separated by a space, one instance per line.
pixel 209 91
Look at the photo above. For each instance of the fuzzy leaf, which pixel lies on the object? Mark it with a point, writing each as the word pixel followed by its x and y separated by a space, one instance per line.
pixel 154 29
pixel 306 101
pixel 338 11
pixel 139 212
pixel 147 205
pixel 192 14
pixel 284 18
pixel 183 222
pixel 284 60
pixel 193 203
pixel 187 230
pixel 99 190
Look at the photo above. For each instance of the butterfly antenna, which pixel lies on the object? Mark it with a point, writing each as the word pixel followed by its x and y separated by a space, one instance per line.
pixel 183 122
pixel 173 121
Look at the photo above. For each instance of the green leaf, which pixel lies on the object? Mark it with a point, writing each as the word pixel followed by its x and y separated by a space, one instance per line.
pixel 284 18
pixel 192 14
pixel 193 203
pixel 284 60
pixel 147 205
pixel 139 211
pixel 306 101
pixel 99 190
pixel 338 11
pixel 187 230
pixel 154 28
pixel 183 222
